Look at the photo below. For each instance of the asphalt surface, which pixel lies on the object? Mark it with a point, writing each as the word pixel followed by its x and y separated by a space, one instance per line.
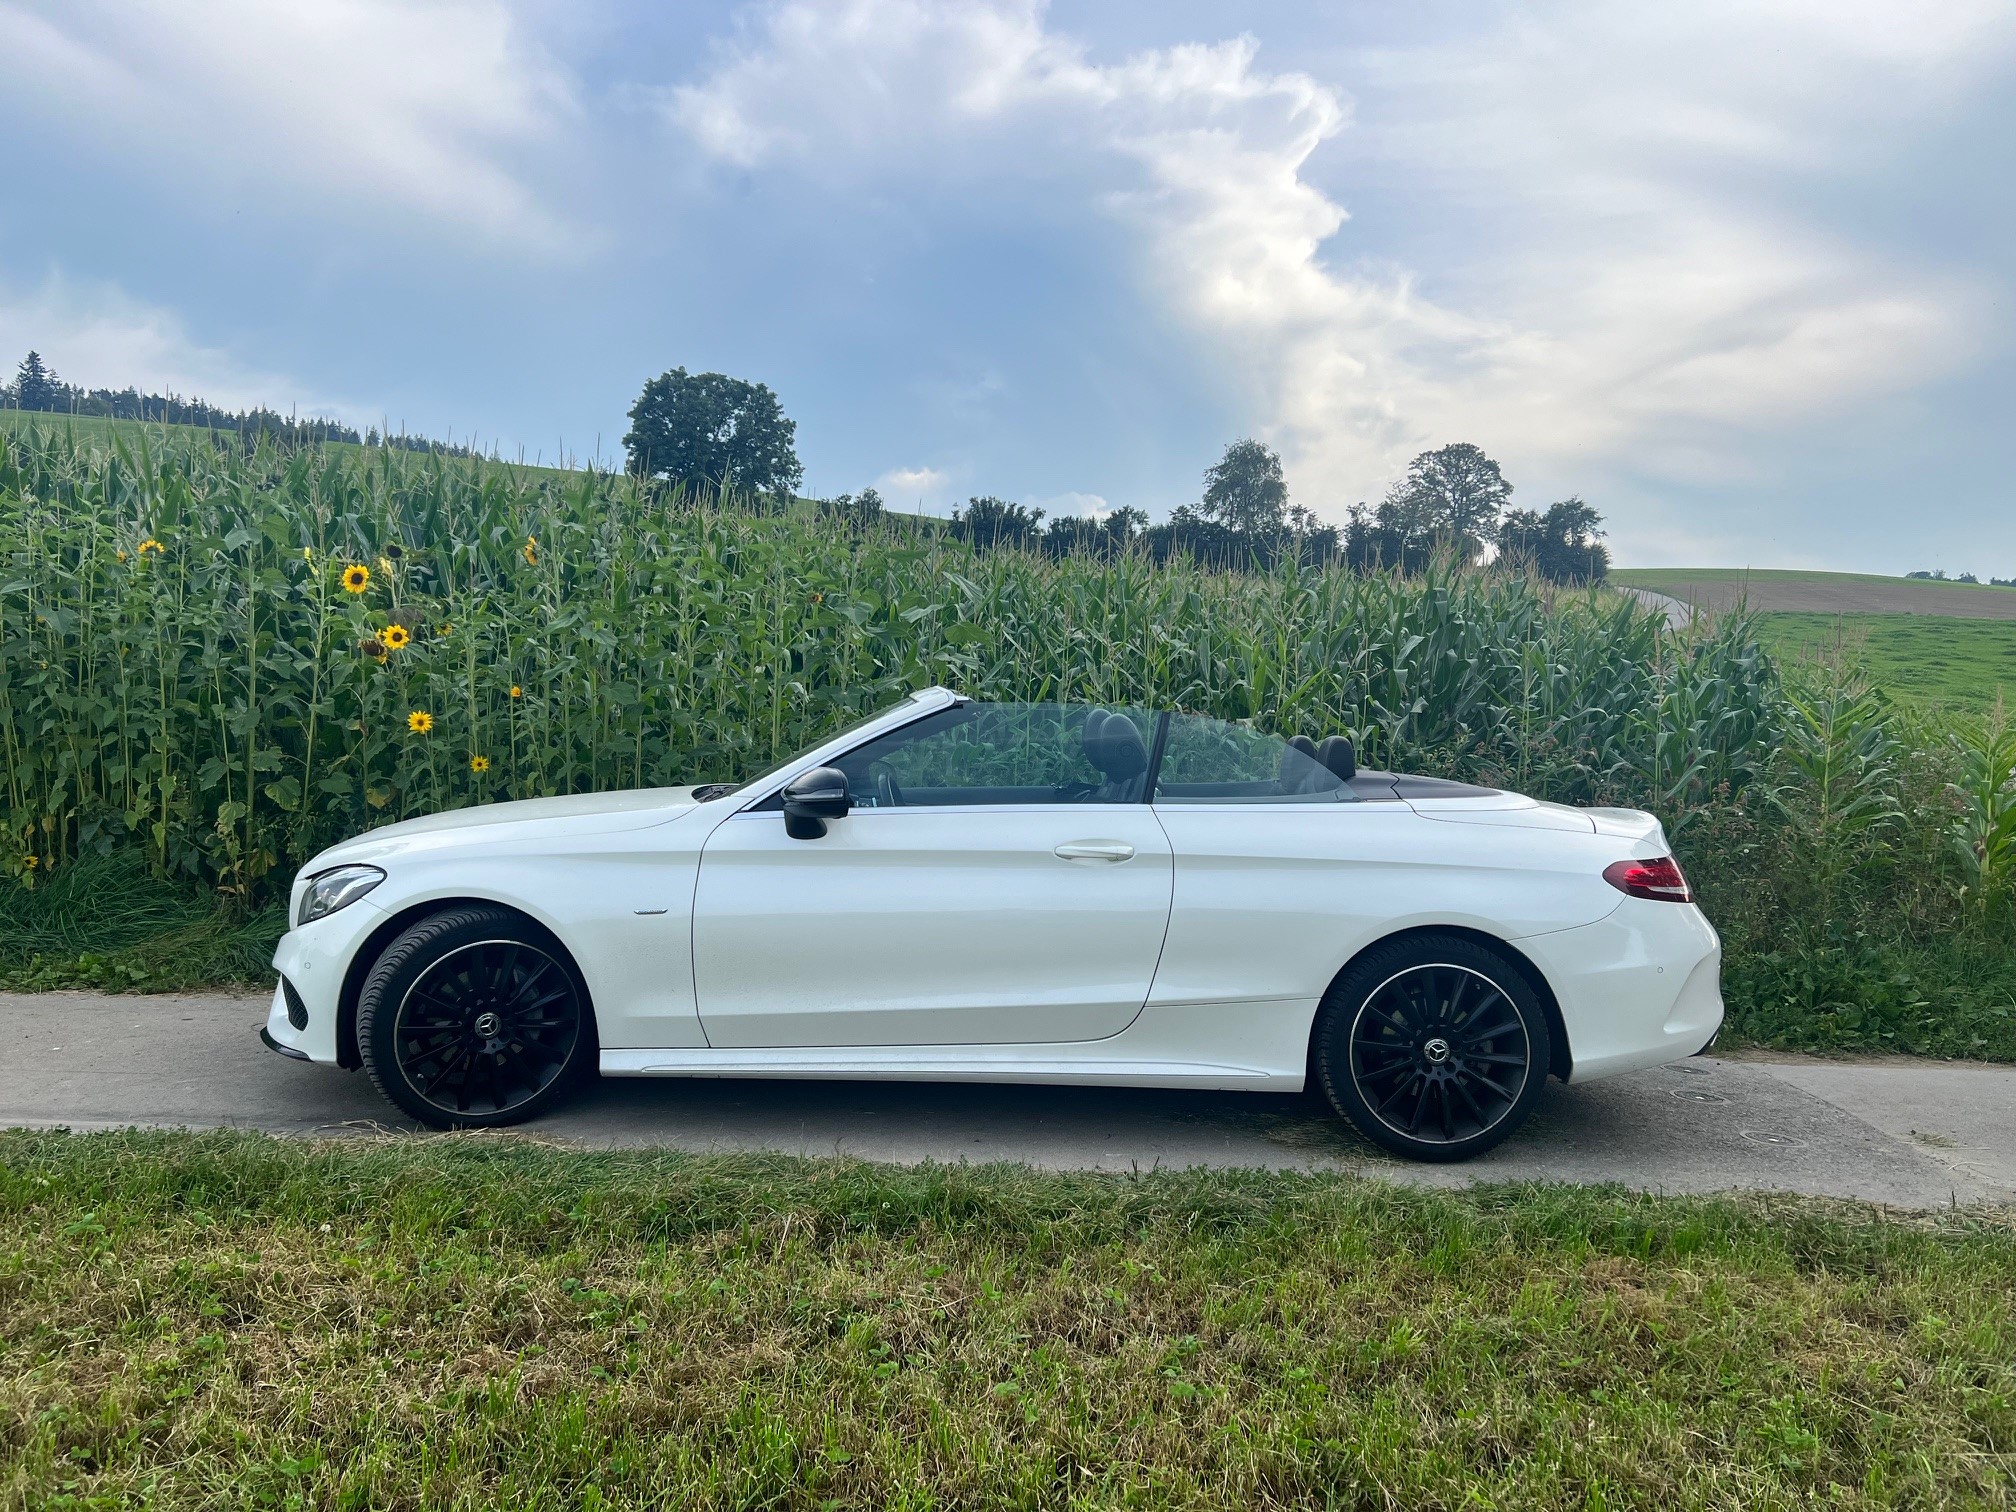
pixel 1903 1133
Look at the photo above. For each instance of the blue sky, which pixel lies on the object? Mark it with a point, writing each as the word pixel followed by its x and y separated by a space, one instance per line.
pixel 1739 274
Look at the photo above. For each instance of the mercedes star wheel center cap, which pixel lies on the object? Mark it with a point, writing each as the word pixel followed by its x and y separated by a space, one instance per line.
pixel 487 1025
pixel 1436 1051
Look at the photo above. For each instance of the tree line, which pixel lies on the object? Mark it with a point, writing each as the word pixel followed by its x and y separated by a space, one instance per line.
pixel 36 387
pixel 707 431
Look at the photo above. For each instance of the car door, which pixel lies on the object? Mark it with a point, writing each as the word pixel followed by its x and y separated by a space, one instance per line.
pixel 995 883
pixel 1284 870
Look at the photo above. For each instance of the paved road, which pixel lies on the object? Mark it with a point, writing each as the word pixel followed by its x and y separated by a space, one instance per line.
pixel 1679 613
pixel 1910 1134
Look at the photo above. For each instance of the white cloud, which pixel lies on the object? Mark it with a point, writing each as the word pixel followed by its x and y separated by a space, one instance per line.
pixel 914 487
pixel 1089 505
pixel 427 106
pixel 96 336
pixel 1613 302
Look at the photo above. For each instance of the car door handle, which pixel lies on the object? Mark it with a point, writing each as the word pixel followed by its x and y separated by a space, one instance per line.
pixel 1095 850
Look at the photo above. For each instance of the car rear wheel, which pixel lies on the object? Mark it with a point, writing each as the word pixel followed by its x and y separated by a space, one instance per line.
pixel 473 1018
pixel 1435 1047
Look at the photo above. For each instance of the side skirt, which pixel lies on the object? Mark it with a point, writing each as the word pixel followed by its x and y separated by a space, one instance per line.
pixel 1167 1046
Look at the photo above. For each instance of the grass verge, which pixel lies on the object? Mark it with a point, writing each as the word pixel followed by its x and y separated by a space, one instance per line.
pixel 109 922
pixel 232 1320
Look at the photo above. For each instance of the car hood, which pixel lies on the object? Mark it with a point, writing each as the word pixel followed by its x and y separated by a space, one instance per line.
pixel 575 814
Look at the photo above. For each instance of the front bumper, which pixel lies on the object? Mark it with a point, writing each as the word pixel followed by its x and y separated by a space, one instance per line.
pixel 1641 987
pixel 314 958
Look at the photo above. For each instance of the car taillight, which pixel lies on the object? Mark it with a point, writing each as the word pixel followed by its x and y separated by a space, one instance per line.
pixel 1659 878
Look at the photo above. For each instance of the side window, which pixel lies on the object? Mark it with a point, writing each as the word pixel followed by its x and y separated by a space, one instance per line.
pixel 1216 761
pixel 991 754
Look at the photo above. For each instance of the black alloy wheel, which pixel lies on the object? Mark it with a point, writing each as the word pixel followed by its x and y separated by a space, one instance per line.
pixel 1433 1047
pixel 474 1017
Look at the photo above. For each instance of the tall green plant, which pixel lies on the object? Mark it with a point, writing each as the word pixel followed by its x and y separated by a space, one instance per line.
pixel 1983 837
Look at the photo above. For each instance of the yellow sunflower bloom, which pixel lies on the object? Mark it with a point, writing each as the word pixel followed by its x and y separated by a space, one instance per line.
pixel 122 556
pixel 516 691
pixel 395 637
pixel 479 763
pixel 531 552
pixel 31 862
pixel 420 722
pixel 150 544
pixel 356 579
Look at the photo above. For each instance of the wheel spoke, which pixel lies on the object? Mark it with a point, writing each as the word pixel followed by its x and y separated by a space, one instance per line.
pixel 1420 1102
pixel 1504 1092
pixel 1484 1036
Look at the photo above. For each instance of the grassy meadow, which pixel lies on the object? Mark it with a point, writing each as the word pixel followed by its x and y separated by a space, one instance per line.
pixel 213 663
pixel 1965 665
pixel 229 1320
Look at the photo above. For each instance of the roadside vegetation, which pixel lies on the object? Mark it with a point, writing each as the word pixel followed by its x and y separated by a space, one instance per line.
pixel 230 1319
pixel 214 661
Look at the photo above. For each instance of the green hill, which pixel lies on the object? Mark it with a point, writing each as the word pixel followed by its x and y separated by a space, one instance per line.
pixel 1821 592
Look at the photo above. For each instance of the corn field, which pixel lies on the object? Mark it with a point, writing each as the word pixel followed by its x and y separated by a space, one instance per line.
pixel 231 660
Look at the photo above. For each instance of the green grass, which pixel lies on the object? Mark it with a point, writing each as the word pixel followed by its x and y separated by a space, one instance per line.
pixel 1828 592
pixel 228 1320
pixel 109 922
pixel 1960 664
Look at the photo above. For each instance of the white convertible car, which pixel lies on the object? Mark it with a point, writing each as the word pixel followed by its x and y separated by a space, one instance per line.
pixel 965 891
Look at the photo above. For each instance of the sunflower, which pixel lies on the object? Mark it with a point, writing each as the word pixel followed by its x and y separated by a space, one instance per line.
pixel 479 764
pixel 516 691
pixel 395 637
pixel 420 722
pixel 31 862
pixel 150 544
pixel 372 647
pixel 356 578
pixel 531 551
pixel 122 556
pixel 307 553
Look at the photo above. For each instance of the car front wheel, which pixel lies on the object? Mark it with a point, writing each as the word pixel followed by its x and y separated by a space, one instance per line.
pixel 473 1018
pixel 1433 1046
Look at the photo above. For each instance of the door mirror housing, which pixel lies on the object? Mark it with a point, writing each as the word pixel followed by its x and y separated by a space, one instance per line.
pixel 812 798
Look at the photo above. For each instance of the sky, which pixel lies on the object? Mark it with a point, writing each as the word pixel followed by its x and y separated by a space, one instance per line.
pixel 1738 272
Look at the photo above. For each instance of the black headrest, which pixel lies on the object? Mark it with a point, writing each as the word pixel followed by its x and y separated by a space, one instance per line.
pixel 1337 754
pixel 1095 721
pixel 1296 761
pixel 1118 750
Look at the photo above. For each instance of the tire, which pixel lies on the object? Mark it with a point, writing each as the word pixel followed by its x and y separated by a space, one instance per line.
pixel 1405 1052
pixel 475 1018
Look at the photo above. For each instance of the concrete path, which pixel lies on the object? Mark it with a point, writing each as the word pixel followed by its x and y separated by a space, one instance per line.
pixel 1679 613
pixel 1908 1134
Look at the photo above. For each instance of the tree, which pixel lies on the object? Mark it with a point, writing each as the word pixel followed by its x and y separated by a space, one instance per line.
pixel 1451 495
pixel 1564 545
pixel 707 429
pixel 988 521
pixel 35 387
pixel 1245 492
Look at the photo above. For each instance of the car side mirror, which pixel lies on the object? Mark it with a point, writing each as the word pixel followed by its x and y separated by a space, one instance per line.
pixel 811 798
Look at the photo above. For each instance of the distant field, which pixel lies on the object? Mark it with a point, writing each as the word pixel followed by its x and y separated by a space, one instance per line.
pixel 1961 664
pixel 1828 593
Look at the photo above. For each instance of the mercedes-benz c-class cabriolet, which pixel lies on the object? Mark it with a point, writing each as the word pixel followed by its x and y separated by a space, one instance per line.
pixel 991 892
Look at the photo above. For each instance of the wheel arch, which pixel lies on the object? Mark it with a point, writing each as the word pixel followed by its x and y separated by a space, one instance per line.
pixel 376 943
pixel 1560 1062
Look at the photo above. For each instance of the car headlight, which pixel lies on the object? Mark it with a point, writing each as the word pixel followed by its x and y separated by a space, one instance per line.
pixel 338 887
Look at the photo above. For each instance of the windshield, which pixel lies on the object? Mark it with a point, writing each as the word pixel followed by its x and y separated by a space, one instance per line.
pixel 707 792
